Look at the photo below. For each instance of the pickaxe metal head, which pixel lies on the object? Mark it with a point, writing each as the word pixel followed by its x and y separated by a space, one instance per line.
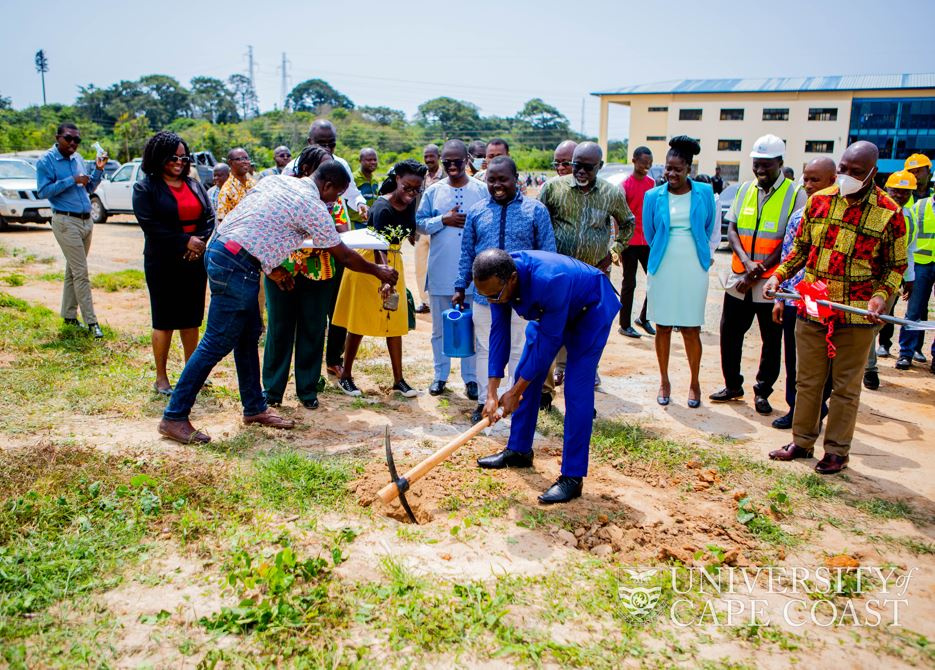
pixel 402 484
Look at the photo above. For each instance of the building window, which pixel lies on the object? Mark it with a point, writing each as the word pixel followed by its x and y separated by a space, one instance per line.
pixel 822 113
pixel 731 115
pixel 776 114
pixel 659 109
pixel 655 138
pixel 730 172
pixel 689 115
pixel 819 146
pixel 728 145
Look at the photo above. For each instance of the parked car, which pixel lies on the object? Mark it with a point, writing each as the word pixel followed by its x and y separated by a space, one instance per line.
pixel 114 195
pixel 19 195
pixel 109 169
pixel 203 163
pixel 725 198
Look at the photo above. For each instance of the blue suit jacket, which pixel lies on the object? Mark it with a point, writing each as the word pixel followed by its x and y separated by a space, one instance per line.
pixel 561 297
pixel 656 222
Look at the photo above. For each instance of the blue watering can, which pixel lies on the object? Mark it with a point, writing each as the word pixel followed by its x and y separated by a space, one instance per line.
pixel 458 332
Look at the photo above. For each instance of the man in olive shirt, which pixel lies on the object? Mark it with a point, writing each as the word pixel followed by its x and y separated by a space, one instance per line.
pixel 582 208
pixel 367 184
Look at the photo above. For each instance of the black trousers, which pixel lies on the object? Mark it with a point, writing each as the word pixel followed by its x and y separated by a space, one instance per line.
pixel 334 351
pixel 789 316
pixel 631 258
pixel 736 319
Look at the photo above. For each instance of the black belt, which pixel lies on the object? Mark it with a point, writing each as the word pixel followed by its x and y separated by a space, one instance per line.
pixel 77 215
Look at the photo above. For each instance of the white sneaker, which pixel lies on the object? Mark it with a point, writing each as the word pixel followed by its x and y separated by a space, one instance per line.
pixel 349 387
pixel 404 389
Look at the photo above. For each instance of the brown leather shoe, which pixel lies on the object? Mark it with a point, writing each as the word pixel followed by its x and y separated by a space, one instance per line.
pixel 182 431
pixel 336 370
pixel 790 452
pixel 831 464
pixel 270 419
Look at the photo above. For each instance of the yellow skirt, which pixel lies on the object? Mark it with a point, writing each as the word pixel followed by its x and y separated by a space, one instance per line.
pixel 360 307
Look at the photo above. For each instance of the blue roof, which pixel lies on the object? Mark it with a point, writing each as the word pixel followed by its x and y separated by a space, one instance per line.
pixel 857 82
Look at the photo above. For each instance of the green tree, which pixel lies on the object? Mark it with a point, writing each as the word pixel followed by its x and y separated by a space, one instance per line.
pixel 452 118
pixel 244 94
pixel 212 100
pixel 540 125
pixel 5 103
pixel 385 116
pixel 166 99
pixel 131 133
pixel 313 94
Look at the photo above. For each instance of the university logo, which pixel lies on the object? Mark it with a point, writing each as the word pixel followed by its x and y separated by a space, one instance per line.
pixel 640 601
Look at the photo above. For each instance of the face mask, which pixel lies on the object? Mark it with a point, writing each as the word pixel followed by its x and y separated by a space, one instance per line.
pixel 848 185
pixel 477 163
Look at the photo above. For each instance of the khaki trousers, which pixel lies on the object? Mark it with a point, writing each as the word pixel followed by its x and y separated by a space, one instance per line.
pixel 812 369
pixel 422 265
pixel 74 237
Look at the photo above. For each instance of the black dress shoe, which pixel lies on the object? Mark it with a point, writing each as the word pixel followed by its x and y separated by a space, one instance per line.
pixel 310 404
pixel 784 422
pixel 563 490
pixel 95 330
pixel 831 464
pixel 762 405
pixel 437 388
pixel 423 309
pixel 903 363
pixel 72 322
pixel 646 325
pixel 629 331
pixel 871 380
pixel 726 394
pixel 477 414
pixel 545 402
pixel 506 459
pixel 470 389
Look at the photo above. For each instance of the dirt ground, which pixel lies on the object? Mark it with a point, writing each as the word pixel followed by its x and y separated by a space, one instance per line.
pixel 632 513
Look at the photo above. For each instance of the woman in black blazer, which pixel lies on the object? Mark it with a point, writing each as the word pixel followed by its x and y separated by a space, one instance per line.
pixel 177 219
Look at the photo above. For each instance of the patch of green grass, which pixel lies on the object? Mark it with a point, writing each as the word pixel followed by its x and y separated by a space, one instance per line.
pixel 52 276
pixel 291 481
pixel 885 509
pixel 14 279
pixel 59 369
pixel 551 423
pixel 122 280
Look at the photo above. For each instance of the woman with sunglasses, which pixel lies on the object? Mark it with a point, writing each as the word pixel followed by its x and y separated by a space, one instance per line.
pixel 361 308
pixel 177 219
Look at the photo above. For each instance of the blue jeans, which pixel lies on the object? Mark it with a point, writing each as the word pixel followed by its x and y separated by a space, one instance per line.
pixel 911 340
pixel 233 325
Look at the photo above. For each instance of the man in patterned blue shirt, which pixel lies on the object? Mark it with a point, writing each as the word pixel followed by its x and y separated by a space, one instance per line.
pixel 509 221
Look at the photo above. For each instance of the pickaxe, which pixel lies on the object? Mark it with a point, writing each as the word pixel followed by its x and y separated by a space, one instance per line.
pixel 399 485
pixel 907 323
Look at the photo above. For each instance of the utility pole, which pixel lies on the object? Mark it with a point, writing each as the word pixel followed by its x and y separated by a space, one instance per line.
pixel 251 67
pixel 582 115
pixel 284 86
pixel 42 66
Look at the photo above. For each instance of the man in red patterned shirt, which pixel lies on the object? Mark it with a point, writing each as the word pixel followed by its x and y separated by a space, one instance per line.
pixel 853 238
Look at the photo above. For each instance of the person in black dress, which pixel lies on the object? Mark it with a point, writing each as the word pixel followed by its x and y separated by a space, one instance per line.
pixel 177 219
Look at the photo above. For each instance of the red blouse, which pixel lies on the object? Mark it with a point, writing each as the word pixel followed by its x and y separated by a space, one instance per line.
pixel 189 206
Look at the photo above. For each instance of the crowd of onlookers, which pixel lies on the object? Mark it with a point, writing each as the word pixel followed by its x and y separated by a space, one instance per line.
pixel 866 245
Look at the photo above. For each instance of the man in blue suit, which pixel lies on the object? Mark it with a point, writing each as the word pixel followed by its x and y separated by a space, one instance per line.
pixel 567 303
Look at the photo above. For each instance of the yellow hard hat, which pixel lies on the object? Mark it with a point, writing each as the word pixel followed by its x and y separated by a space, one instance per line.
pixel 917 161
pixel 902 179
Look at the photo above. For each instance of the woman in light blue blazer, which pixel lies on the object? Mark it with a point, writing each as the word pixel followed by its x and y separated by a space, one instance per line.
pixel 679 223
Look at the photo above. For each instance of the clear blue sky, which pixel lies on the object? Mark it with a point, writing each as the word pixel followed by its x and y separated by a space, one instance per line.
pixel 496 54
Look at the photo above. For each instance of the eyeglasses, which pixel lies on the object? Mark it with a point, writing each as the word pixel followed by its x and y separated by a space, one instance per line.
pixel 496 298
pixel 587 167
pixel 177 159
pixel 557 164
pixel 327 145
pixel 411 190
pixel 73 139
pixel 457 162
pixel 240 158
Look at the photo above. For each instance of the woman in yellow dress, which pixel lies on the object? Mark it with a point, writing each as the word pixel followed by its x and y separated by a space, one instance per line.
pixel 362 301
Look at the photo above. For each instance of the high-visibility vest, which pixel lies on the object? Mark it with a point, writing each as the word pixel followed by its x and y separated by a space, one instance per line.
pixel 925 232
pixel 761 230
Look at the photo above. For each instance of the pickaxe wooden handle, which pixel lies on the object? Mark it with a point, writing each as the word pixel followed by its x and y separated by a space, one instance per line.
pixel 391 490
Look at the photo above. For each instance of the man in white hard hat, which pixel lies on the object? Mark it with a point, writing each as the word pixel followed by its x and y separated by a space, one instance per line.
pixel 757 222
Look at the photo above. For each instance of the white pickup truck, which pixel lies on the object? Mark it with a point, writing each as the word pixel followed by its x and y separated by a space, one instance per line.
pixel 114 195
